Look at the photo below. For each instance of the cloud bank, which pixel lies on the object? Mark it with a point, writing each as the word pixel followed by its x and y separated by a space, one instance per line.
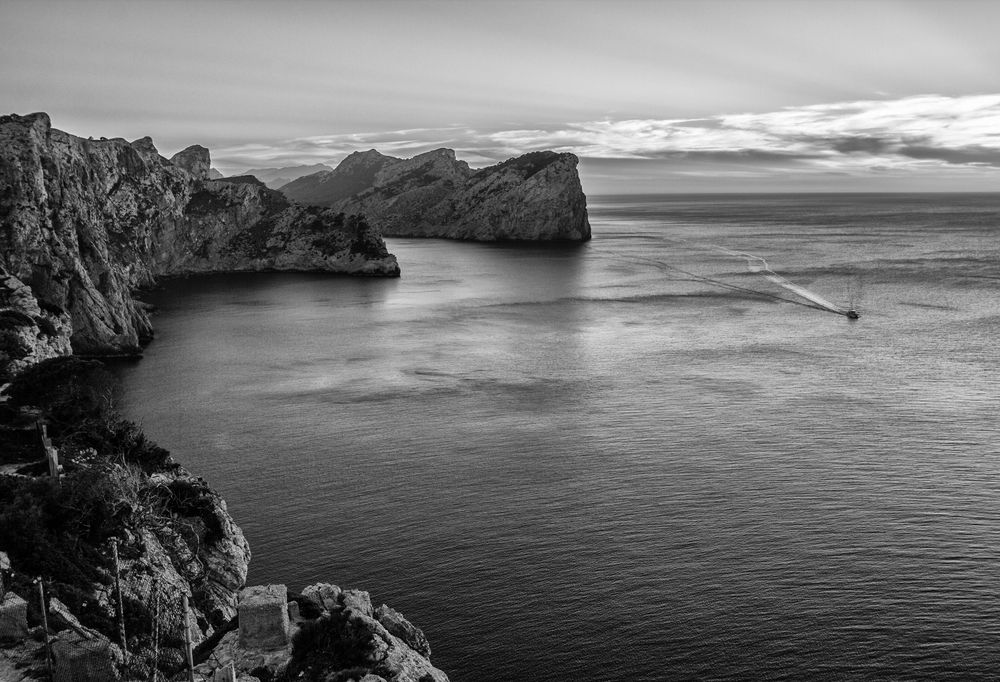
pixel 918 134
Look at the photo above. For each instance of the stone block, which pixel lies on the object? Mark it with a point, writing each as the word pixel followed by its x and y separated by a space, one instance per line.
pixel 76 658
pixel 13 618
pixel 264 617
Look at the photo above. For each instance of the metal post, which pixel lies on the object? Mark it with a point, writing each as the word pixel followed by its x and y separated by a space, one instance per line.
pixel 45 627
pixel 118 591
pixel 188 650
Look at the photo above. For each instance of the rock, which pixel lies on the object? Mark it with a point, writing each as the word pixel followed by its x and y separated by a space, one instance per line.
pixel 346 642
pixel 357 601
pixel 145 146
pixel 76 658
pixel 88 221
pixel 13 618
pixel 397 625
pixel 325 595
pixel 537 196
pixel 195 160
pixel 29 332
pixel 392 654
pixel 60 618
pixel 264 617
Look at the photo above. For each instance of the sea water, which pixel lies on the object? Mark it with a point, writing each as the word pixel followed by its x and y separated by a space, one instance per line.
pixel 626 459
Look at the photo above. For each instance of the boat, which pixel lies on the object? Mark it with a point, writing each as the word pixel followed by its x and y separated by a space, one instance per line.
pixel 852 314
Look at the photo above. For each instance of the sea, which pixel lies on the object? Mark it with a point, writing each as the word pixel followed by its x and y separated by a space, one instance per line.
pixel 637 458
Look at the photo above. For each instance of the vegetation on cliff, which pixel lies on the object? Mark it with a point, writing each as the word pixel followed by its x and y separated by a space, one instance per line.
pixel 172 531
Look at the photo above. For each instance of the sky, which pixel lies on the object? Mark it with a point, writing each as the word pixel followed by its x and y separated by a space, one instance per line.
pixel 669 96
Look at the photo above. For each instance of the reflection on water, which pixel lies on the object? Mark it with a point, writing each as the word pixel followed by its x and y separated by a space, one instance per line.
pixel 564 463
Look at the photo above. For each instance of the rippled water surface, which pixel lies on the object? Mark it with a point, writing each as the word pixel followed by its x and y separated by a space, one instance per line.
pixel 588 462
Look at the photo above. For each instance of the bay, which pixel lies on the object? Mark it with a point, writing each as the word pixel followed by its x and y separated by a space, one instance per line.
pixel 626 459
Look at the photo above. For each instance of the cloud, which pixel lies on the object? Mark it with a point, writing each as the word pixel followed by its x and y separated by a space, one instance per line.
pixel 913 133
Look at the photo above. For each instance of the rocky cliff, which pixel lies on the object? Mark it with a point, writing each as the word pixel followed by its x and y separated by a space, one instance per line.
pixel 537 196
pixel 84 222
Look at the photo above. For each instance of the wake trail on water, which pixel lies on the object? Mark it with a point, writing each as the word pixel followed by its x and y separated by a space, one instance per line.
pixel 755 264
pixel 759 265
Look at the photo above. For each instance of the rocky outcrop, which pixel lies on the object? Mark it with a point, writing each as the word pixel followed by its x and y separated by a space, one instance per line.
pixel 195 160
pixel 85 222
pixel 537 196
pixel 334 634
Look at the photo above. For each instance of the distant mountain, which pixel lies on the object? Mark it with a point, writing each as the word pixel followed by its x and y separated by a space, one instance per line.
pixel 277 177
pixel 213 174
pixel 354 174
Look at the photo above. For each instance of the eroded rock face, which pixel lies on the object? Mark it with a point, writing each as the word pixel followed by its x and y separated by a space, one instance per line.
pixel 537 196
pixel 84 222
pixel 29 333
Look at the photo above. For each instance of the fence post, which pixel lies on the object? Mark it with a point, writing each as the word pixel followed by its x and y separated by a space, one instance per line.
pixel 51 454
pixel 45 626
pixel 156 629
pixel 188 651
pixel 118 592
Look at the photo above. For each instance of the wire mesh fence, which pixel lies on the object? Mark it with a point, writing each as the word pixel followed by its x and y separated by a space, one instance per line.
pixel 41 639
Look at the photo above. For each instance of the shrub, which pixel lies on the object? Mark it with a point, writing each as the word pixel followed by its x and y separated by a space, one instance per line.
pixel 67 389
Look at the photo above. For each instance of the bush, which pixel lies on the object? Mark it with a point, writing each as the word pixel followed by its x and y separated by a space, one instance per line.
pixel 67 389
pixel 329 643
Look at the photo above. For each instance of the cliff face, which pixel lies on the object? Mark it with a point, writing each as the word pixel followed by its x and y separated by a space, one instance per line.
pixel 537 196
pixel 28 332
pixel 84 222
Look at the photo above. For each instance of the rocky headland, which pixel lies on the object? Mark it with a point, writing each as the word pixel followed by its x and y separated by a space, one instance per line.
pixel 535 197
pixel 117 534
pixel 85 222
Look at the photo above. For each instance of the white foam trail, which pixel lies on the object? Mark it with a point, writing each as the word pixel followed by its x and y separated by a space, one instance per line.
pixel 758 264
